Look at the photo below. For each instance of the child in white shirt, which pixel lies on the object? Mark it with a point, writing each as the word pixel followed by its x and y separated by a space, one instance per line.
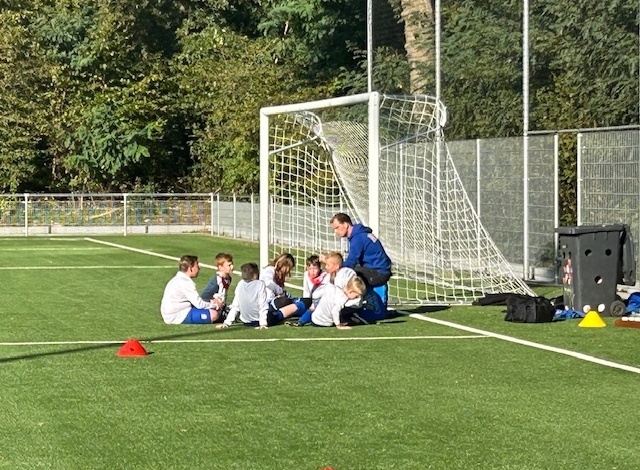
pixel 333 300
pixel 181 302
pixel 251 301
pixel 313 281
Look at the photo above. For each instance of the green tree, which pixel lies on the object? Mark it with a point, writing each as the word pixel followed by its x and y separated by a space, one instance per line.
pixel 23 77
pixel 225 78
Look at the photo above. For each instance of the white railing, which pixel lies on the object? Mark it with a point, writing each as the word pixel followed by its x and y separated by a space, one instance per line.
pixel 63 214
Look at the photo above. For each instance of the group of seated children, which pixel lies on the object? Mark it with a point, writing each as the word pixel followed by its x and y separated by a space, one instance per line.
pixel 335 296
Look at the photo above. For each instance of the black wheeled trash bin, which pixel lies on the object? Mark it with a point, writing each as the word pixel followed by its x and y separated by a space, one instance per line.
pixel 594 260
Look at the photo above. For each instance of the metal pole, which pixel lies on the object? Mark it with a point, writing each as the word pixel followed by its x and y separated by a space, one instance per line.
pixel 264 189
pixel 374 164
pixel 579 182
pixel 556 195
pixel 211 212
pixel 438 31
pixel 125 215
pixel 525 125
pixel 369 46
pixel 26 214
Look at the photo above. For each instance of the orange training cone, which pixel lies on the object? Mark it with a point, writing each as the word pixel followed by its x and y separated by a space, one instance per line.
pixel 132 348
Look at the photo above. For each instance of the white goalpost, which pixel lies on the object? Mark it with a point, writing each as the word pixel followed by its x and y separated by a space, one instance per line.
pixel 382 160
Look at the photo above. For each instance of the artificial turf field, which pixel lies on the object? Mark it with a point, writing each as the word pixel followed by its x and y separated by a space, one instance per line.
pixel 407 393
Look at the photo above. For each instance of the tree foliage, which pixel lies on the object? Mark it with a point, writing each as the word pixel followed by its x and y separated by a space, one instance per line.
pixel 583 65
pixel 164 95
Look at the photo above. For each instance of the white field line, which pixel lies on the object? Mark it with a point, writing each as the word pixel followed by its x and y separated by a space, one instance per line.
pixel 145 252
pixel 54 248
pixel 53 239
pixel 240 340
pixel 524 342
pixel 160 255
pixel 137 250
pixel 33 268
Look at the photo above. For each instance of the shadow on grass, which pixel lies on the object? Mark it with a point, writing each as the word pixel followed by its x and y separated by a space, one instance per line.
pixel 422 309
pixel 115 346
pixel 394 316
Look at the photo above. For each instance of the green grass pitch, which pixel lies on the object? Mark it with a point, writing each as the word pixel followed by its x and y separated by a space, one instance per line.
pixel 404 394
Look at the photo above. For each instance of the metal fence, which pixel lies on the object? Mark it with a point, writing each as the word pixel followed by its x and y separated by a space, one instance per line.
pixel 609 179
pixel 515 197
pixel 493 174
pixel 57 214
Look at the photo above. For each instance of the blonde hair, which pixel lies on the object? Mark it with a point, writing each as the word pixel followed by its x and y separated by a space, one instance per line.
pixel 356 284
pixel 334 256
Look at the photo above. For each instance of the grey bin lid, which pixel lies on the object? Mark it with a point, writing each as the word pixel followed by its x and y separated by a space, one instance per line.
pixel 584 229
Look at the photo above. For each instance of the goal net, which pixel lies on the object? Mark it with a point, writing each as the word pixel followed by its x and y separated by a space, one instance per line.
pixel 382 160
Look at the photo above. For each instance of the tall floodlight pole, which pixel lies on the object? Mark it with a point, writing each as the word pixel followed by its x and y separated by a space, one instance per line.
pixel 369 46
pixel 525 137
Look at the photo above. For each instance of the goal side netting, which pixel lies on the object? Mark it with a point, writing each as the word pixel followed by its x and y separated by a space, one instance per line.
pixel 382 160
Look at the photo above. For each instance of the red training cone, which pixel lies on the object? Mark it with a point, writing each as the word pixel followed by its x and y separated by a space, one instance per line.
pixel 132 348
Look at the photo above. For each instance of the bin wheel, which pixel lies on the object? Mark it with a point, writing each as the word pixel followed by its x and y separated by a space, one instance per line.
pixel 618 308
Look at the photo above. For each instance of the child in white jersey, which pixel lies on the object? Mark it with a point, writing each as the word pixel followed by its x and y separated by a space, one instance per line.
pixel 251 301
pixel 333 300
pixel 274 276
pixel 181 302
pixel 276 273
pixel 313 281
pixel 337 274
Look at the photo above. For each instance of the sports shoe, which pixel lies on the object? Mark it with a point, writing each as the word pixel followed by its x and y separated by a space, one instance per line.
pixel 294 323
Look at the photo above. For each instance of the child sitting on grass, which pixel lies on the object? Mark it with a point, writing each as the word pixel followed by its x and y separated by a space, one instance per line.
pixel 218 285
pixel 327 312
pixel 181 302
pixel 251 301
pixel 274 276
pixel 313 282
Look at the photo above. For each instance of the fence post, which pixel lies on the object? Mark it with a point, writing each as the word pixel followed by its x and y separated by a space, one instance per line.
pixel 252 222
pixel 218 213
pixel 235 211
pixel 579 180
pixel 125 214
pixel 211 213
pixel 26 214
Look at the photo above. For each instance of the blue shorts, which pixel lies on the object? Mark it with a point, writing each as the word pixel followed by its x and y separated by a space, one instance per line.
pixel 197 316
pixel 273 318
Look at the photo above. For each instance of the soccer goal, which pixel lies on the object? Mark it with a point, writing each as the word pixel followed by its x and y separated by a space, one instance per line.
pixel 382 160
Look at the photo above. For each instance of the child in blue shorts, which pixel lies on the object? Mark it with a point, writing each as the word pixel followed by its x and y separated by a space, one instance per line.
pixel 181 302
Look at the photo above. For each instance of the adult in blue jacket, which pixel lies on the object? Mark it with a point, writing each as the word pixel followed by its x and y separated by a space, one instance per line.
pixel 366 254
